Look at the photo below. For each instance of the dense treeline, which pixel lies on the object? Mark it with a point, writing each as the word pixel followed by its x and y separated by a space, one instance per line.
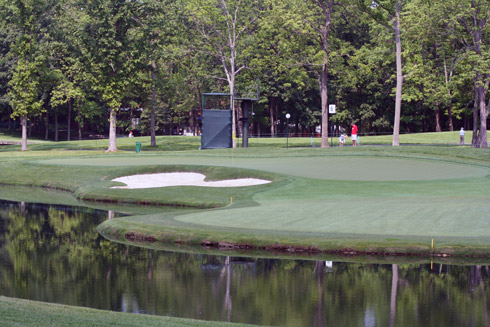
pixel 71 68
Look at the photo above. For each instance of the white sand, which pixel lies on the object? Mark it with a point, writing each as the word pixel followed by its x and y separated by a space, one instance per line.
pixel 181 179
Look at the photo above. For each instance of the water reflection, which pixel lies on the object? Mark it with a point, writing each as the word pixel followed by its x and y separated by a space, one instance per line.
pixel 53 253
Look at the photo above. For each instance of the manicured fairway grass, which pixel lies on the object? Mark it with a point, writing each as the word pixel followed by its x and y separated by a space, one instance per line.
pixel 388 205
pixel 17 312
pixel 369 199
pixel 179 143
pixel 338 166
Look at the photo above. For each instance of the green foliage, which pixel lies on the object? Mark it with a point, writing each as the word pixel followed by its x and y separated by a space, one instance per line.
pixel 24 92
pixel 26 78
pixel 8 34
pixel 161 55
pixel 107 48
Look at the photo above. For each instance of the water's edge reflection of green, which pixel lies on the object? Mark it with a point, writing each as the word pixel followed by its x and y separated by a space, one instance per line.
pixel 52 253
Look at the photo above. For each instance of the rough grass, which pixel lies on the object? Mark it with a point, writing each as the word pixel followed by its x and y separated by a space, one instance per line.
pixel 17 312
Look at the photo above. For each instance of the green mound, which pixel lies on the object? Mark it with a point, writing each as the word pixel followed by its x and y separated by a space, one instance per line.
pixel 363 203
pixel 370 199
pixel 355 168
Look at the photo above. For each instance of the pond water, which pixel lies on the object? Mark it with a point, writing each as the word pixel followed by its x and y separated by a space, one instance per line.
pixel 53 253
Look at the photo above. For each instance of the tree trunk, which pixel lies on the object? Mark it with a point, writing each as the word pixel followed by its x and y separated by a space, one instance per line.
pixel 80 123
pixel 68 121
pixel 46 132
pixel 448 77
pixel 153 104
pixel 233 115
pixel 56 128
pixel 112 132
pixel 23 122
pixel 475 140
pixel 399 77
pixel 438 120
pixel 480 92
pixel 199 122
pixel 240 126
pixel 450 114
pixel 324 98
pixel 276 114
pixel 483 119
pixel 271 110
pixel 10 118
pixel 327 8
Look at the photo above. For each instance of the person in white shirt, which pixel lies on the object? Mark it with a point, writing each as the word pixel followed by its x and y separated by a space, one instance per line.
pixel 461 136
pixel 342 140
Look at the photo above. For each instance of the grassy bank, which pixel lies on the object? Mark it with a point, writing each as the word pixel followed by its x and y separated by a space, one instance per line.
pixel 17 312
pixel 365 200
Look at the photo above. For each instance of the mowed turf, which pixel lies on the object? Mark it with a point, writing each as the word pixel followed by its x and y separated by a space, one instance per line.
pixel 354 168
pixel 19 312
pixel 383 200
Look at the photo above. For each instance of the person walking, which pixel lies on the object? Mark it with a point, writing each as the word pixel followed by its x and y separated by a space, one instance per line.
pixel 354 134
pixel 461 136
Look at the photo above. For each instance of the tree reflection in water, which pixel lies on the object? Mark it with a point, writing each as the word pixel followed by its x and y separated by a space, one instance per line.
pixel 54 254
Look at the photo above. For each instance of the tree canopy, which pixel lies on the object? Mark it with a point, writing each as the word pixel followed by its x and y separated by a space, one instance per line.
pixel 113 66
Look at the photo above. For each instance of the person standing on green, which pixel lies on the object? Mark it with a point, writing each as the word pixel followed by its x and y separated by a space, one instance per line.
pixel 461 136
pixel 354 134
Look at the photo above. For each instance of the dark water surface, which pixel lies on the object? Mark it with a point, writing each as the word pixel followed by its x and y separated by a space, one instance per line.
pixel 53 253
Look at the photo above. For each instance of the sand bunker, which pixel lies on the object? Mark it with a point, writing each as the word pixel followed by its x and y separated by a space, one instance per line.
pixel 181 179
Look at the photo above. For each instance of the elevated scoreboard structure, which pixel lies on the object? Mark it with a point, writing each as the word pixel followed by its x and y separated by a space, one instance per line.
pixel 216 118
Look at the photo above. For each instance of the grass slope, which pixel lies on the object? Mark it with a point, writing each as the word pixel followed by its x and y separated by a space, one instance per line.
pixel 17 312
pixel 367 199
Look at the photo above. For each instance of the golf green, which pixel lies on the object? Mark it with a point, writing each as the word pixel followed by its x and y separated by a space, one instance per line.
pixel 353 168
pixel 372 197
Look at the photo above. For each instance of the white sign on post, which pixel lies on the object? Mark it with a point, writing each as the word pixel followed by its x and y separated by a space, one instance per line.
pixel 332 109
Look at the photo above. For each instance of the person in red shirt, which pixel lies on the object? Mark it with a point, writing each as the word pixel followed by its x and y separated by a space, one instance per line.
pixel 354 134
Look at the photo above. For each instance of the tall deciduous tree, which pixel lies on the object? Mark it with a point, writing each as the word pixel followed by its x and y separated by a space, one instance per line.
pixel 473 16
pixel 8 35
pixel 66 63
pixel 388 13
pixel 25 83
pixel 223 26
pixel 433 57
pixel 109 52
pixel 322 24
pixel 161 34
pixel 278 58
